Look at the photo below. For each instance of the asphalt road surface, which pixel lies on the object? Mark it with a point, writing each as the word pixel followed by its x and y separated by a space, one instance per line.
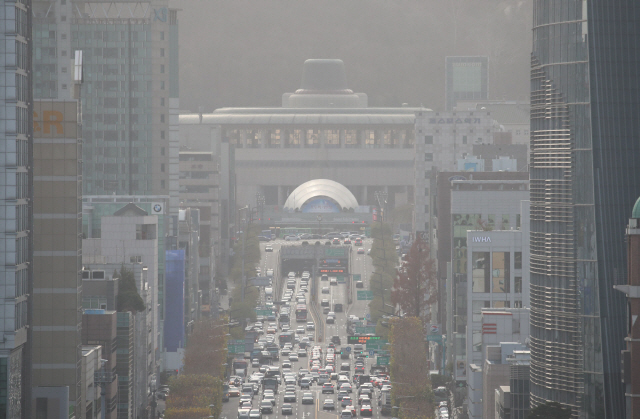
pixel 361 264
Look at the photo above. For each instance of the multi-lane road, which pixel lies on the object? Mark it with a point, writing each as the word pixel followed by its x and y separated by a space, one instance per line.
pixel 360 264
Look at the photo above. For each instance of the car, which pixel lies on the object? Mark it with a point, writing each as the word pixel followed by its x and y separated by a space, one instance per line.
pixel 305 382
pixel 335 241
pixel 333 281
pixel 347 241
pixel 234 391
pixel 328 404
pixel 268 248
pixel 359 284
pixel 346 414
pixel 287 409
pixel 324 302
pixel 331 319
pixel 326 309
pixel 293 358
pixel 243 413
pixel 271 398
pixel 364 399
pixel 264 239
pixel 311 326
pixel 346 387
pixel 342 394
pixel 325 290
pixel 324 277
pixel 328 388
pixel 365 410
pixel 255 414
pixel 346 401
pixel 307 398
pixel 290 396
pixel 358 242
pixel 266 406
pixel 360 251
pixel 286 364
pixel 300 330
pixel 302 353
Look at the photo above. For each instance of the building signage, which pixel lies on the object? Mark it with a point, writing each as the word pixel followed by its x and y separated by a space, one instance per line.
pixel 481 239
pixel 454 121
pixel 160 14
pixel 55 119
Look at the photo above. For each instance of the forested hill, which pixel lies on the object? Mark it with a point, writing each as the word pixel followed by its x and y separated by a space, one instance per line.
pixel 249 52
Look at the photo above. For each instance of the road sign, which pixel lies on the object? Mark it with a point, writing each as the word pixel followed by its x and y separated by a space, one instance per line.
pixel 235 348
pixel 348 348
pixel 380 344
pixel 341 279
pixel 371 352
pixel 434 338
pixel 367 316
pixel 364 330
pixel 362 339
pixel 357 277
pixel 263 312
pixel 365 295
pixel 382 360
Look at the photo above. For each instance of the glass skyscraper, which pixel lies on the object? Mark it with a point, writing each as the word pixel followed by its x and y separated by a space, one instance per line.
pixel 585 145
pixel 16 197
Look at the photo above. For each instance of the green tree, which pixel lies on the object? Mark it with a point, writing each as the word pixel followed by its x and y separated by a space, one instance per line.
pixel 550 410
pixel 128 297
pixel 384 258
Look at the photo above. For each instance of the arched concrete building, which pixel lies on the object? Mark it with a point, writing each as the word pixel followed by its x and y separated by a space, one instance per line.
pixel 323 131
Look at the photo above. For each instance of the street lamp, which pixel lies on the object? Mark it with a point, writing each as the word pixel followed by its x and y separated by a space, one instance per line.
pixel 319 218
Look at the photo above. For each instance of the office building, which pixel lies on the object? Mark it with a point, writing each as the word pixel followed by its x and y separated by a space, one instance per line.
pixel 57 258
pixel 200 190
pixel 90 398
pixel 100 286
pixel 130 236
pixel 130 92
pixel 484 206
pixel 496 278
pixel 16 130
pixel 631 354
pixel 99 328
pixel 323 131
pixel 509 117
pixel 584 178
pixel 466 78
pixel 442 138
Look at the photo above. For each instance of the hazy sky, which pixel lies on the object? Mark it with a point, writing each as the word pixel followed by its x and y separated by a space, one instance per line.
pixel 249 52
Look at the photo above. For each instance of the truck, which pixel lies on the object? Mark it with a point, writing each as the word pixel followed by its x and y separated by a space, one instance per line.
pixel 337 307
pixel 240 367
pixel 270 383
pixel 385 402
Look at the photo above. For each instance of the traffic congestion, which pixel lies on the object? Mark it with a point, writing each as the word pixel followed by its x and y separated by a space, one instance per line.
pixel 303 363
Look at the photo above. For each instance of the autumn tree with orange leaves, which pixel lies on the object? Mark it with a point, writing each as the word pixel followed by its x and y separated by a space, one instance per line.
pixel 206 350
pixel 416 285
pixel 409 368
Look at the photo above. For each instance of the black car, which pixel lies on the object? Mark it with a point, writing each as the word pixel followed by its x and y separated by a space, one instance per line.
pixel 359 284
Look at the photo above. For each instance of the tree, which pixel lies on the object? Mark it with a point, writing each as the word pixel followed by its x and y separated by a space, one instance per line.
pixel 416 285
pixel 550 410
pixel 206 349
pixel 191 395
pixel 384 257
pixel 128 297
pixel 409 368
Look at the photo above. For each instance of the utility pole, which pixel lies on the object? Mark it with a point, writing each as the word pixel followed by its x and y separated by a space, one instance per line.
pixel 244 235
pixel 260 201
pixel 381 197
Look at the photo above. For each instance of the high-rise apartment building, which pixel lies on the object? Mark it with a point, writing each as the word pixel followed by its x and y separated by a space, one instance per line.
pixel 16 130
pixel 584 178
pixel 130 90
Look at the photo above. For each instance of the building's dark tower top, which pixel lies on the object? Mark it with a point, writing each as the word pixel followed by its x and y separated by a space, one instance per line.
pixel 324 85
pixel 324 76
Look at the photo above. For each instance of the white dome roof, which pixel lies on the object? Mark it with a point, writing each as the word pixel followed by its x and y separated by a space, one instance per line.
pixel 318 188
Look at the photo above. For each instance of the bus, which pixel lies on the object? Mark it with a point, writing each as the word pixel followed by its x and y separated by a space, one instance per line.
pixel 285 337
pixel 301 313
